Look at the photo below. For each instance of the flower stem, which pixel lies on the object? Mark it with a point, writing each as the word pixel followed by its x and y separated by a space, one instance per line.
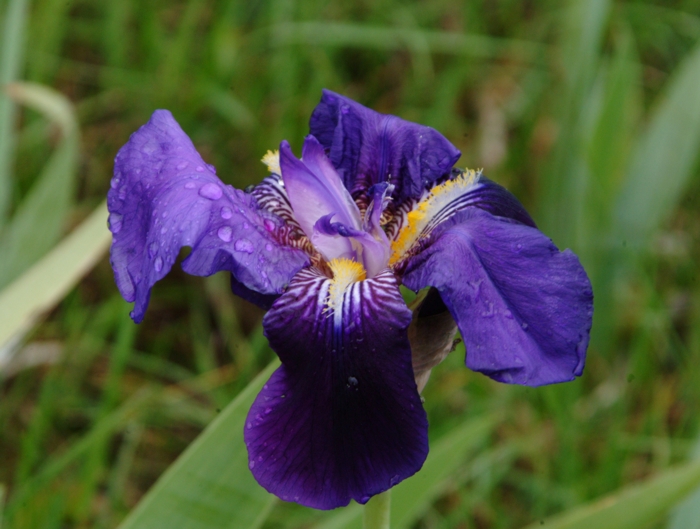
pixel 377 511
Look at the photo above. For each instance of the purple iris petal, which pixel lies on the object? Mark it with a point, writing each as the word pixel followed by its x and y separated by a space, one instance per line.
pixel 367 147
pixel 163 196
pixel 341 419
pixel 497 200
pixel 315 190
pixel 524 308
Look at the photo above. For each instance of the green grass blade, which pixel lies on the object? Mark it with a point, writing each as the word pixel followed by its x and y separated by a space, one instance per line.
pixel 393 38
pixel 664 157
pixel 687 514
pixel 45 283
pixel 11 58
pixel 38 222
pixel 411 498
pixel 210 485
pixel 633 507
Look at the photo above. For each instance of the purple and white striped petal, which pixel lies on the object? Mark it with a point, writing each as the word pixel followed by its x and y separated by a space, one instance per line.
pixel 523 307
pixel 341 419
pixel 369 148
pixel 163 196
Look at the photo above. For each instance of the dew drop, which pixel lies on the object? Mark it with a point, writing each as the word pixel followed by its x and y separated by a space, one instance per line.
pixel 524 326
pixel 251 464
pixel 122 192
pixel 246 226
pixel 211 168
pixel 244 245
pixel 226 213
pixel 352 382
pixel 158 264
pixel 268 411
pixel 189 185
pixel 269 225
pixel 210 191
pixel 268 247
pixel 365 499
pixel 394 480
pixel 152 250
pixel 225 233
pixel 508 314
pixel 249 425
pixel 260 458
pixel 200 169
pixel 115 222
pixel 181 166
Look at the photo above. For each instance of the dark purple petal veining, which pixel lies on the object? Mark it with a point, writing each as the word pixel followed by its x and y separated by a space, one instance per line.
pixel 341 419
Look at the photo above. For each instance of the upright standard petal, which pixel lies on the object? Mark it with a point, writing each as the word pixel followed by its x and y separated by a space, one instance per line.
pixel 368 148
pixel 341 419
pixel 315 191
pixel 163 196
pixel 523 307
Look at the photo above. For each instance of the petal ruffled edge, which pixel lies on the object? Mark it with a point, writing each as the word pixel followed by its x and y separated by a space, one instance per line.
pixel 523 307
pixel 368 148
pixel 163 196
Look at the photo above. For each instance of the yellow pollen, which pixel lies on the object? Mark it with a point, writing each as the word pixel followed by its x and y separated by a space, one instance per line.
pixel 272 160
pixel 345 273
pixel 423 212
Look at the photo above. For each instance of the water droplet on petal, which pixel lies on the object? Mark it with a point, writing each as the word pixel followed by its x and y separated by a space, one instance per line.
pixel 122 192
pixel 189 185
pixel 269 225
pixel 211 168
pixel 365 499
pixel 268 411
pixel 210 191
pixel 152 250
pixel 225 233
pixel 200 169
pixel 226 213
pixel 181 165
pixel 394 480
pixel 244 245
pixel 268 247
pixel 249 425
pixel 158 264
pixel 524 326
pixel 115 222
pixel 508 314
pixel 251 464
pixel 352 382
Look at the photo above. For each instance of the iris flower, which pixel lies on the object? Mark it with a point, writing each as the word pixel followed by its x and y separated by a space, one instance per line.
pixel 324 242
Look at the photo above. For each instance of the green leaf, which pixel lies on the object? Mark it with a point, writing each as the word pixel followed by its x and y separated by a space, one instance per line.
pixel 210 485
pixel 39 220
pixel 411 498
pixel 664 157
pixel 11 59
pixel 687 514
pixel 633 507
pixel 45 283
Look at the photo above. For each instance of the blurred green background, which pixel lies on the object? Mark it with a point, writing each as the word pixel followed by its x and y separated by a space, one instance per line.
pixel 587 110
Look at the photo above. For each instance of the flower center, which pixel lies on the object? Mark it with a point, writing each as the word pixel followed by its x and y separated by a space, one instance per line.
pixel 327 213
